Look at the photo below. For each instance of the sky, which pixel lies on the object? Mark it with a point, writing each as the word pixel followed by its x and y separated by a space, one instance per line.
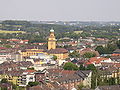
pixel 60 10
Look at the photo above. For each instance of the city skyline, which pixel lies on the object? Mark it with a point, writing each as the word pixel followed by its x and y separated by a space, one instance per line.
pixel 62 10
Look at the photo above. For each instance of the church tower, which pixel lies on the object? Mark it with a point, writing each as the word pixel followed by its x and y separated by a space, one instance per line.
pixel 51 40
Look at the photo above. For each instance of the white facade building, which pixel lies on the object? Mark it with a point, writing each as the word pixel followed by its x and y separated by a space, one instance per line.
pixel 27 77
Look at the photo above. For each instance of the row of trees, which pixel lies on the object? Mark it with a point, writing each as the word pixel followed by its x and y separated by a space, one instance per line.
pixel 61 30
pixel 102 78
pixel 72 66
pixel 76 54
pixel 109 48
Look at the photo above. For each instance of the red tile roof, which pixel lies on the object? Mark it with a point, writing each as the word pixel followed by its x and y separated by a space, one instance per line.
pixel 30 71
pixel 25 40
pixel 96 60
pixel 3 48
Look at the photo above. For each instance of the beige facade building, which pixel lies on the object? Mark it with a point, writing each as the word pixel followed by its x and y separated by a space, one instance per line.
pixel 61 53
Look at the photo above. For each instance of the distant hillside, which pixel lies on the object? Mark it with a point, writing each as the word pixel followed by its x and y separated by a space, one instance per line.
pixel 11 32
pixel 37 32
pixel 29 27
pixel 34 32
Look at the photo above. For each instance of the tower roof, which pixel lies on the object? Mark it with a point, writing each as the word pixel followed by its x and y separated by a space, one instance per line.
pixel 51 30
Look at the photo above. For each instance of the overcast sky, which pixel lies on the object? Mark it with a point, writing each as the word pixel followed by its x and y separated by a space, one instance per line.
pixel 80 10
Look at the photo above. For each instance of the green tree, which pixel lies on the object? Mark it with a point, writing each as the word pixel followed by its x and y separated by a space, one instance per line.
pixel 70 66
pixel 118 44
pixel 7 46
pixel 33 84
pixel 111 81
pixel 100 49
pixel 74 54
pixel 80 86
pixel 4 80
pixel 81 67
pixel 14 86
pixel 31 68
pixel 96 77
pixel 21 88
pixel 3 88
pixel 110 48
pixel 89 55
pixel 54 57
pixel 91 67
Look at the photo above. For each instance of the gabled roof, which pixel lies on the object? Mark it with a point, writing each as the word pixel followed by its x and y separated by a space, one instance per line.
pixel 83 74
pixel 96 60
pixel 117 51
pixel 60 71
pixel 14 73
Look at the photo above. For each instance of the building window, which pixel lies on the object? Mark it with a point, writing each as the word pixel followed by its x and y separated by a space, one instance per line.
pixel 30 78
